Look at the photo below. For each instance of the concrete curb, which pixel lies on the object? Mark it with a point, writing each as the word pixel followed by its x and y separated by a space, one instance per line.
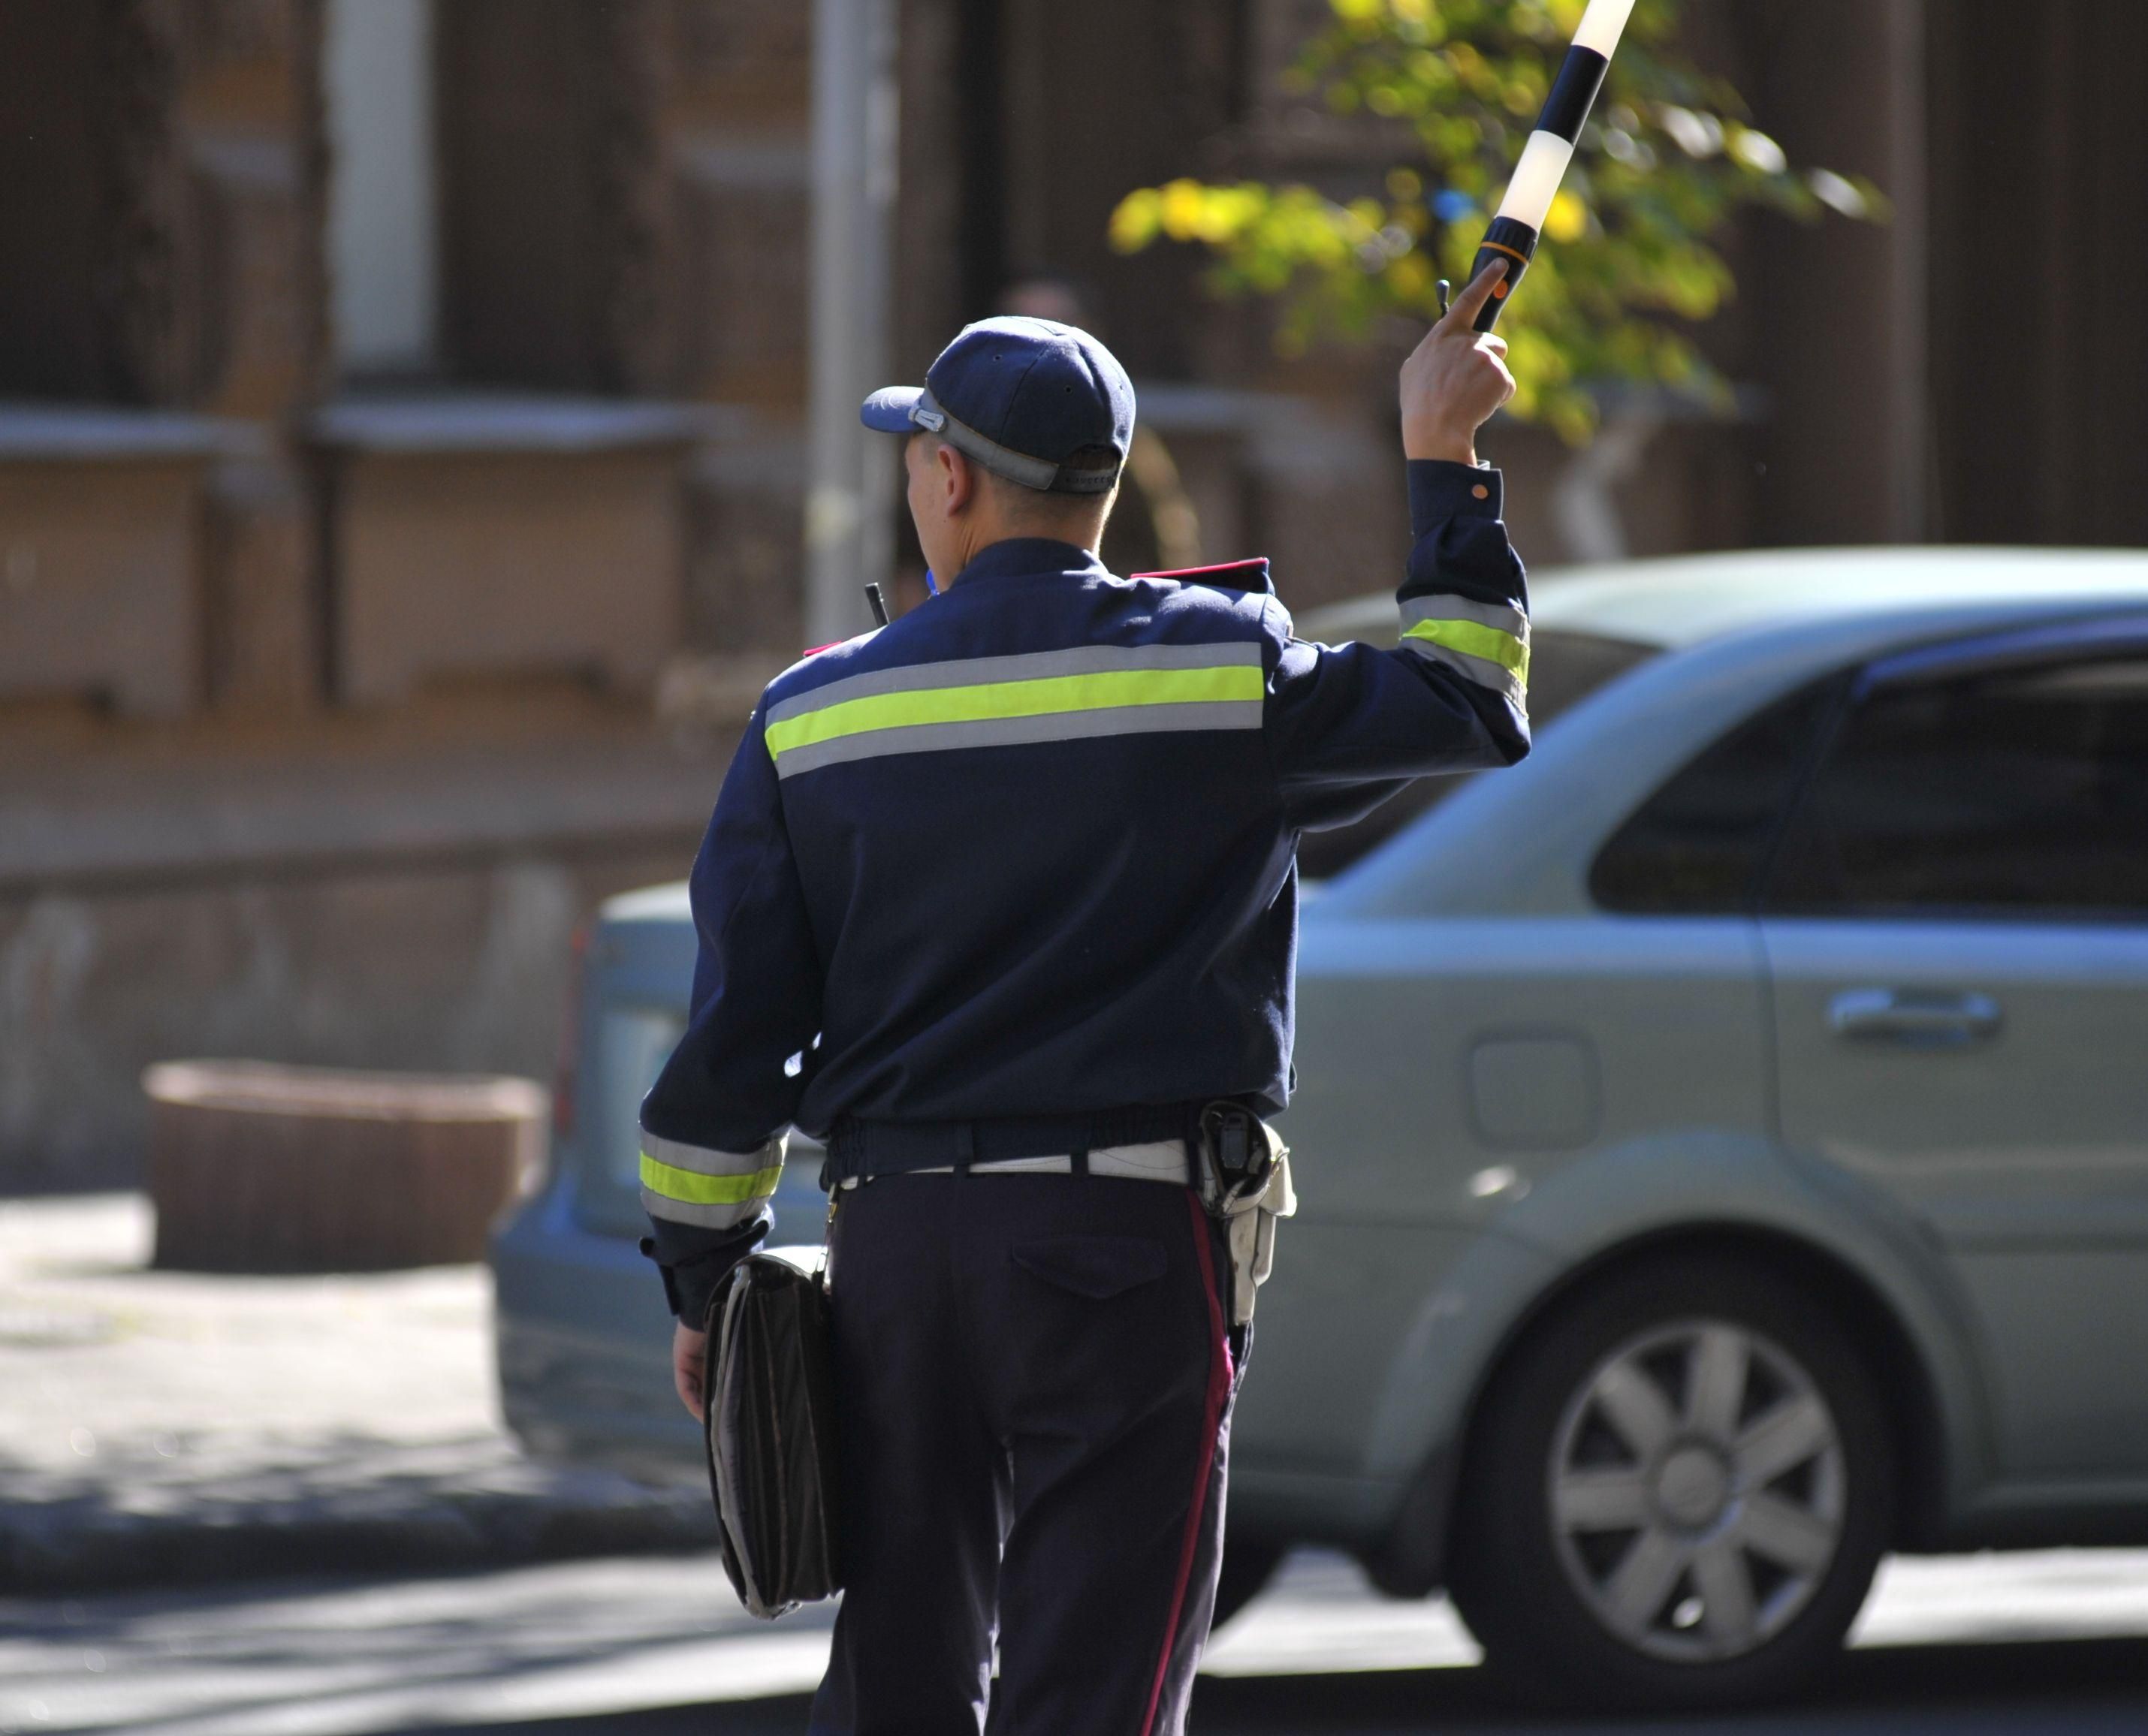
pixel 87 1544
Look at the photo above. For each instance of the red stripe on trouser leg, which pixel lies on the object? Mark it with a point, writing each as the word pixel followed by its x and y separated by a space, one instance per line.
pixel 1211 1420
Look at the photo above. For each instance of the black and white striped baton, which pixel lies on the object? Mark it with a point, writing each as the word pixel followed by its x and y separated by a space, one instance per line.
pixel 1514 235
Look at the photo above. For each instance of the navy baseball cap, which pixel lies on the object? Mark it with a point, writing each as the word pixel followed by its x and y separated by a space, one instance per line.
pixel 1021 397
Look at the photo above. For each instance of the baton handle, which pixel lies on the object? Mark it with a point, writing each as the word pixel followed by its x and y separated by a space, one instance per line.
pixel 1515 243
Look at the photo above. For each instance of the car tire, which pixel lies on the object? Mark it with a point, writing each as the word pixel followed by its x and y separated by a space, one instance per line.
pixel 1677 1492
pixel 1248 1564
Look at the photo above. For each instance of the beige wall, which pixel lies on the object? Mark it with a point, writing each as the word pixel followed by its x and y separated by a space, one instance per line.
pixel 441 967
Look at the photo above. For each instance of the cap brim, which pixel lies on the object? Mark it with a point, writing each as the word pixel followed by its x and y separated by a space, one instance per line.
pixel 888 409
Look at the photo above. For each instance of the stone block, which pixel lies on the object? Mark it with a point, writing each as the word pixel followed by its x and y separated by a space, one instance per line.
pixel 256 1167
pixel 744 240
pixel 500 538
pixel 257 328
pixel 423 965
pixel 745 539
pixel 263 639
pixel 98 563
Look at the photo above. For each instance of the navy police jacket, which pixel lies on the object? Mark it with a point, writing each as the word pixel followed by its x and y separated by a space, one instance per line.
pixel 1016 874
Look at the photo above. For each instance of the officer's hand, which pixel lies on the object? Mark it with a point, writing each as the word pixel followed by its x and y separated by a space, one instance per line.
pixel 688 1347
pixel 1455 379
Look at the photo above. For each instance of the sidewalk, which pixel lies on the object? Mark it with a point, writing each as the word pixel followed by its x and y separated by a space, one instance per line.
pixel 158 1427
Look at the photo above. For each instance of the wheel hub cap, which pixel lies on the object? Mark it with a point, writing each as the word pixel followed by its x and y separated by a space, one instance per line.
pixel 1691 1486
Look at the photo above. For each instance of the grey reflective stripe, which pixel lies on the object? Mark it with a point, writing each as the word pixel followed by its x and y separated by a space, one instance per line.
pixel 1016 731
pixel 1450 607
pixel 706 1217
pixel 1480 669
pixel 1027 666
pixel 707 1161
pixel 1031 473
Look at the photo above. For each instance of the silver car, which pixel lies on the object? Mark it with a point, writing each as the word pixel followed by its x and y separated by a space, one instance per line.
pixel 1722 1140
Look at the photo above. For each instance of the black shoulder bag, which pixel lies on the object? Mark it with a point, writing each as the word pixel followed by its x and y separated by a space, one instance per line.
pixel 769 1384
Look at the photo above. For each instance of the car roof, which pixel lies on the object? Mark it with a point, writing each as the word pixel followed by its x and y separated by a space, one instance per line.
pixel 1682 600
pixel 667 903
pixel 1521 840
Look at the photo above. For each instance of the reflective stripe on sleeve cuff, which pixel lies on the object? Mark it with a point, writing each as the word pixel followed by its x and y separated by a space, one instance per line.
pixel 1486 642
pixel 700 1185
pixel 695 1189
pixel 1490 672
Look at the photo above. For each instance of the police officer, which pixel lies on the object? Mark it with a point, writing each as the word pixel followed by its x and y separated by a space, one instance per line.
pixel 997 901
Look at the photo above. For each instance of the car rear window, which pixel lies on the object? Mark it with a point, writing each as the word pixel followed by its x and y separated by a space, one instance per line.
pixel 2017 792
pixel 633 1044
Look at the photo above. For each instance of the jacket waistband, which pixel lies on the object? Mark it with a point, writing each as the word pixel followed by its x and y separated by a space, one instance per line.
pixel 857 1147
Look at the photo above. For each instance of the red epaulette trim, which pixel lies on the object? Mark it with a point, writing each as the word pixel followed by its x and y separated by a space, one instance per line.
pixel 1256 567
pixel 1226 575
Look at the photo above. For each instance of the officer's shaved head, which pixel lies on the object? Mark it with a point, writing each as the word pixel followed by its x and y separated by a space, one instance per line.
pixel 1067 517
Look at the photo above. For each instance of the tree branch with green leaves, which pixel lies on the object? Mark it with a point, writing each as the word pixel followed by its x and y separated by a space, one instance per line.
pixel 1631 259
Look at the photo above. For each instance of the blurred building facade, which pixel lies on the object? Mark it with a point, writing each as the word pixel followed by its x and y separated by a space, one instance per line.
pixel 402 456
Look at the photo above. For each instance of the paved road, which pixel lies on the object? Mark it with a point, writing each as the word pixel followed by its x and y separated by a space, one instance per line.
pixel 2054 1644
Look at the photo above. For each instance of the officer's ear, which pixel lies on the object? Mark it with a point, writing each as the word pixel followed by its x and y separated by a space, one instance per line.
pixel 958 476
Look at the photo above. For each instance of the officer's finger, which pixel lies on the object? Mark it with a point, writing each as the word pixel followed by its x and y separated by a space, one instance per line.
pixel 1470 302
pixel 1492 345
pixel 687 1353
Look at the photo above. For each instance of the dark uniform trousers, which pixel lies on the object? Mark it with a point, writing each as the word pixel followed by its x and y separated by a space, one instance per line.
pixel 1035 1382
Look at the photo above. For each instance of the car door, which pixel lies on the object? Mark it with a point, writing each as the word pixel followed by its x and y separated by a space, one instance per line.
pixel 1956 930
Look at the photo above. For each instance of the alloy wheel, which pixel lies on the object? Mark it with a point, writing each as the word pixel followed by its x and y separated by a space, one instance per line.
pixel 1696 1490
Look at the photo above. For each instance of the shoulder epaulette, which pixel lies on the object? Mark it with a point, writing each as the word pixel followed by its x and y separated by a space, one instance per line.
pixel 1243 575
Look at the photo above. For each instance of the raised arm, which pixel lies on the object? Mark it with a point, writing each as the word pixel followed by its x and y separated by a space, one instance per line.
pixel 1350 723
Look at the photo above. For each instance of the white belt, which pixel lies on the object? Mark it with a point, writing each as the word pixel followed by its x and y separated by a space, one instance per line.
pixel 1160 1160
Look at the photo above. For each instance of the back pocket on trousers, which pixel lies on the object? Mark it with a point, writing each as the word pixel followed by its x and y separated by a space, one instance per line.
pixel 1096 1266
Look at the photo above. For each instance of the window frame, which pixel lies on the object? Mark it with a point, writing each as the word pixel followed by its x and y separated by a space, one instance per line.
pixel 2074 640
pixel 1831 708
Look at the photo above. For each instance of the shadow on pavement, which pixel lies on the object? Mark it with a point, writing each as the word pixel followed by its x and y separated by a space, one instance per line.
pixel 2009 1686
pixel 2044 1687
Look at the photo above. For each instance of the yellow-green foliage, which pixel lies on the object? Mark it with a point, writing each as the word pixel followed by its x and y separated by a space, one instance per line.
pixel 1669 155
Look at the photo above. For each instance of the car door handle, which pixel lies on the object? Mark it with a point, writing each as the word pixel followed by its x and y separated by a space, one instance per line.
pixel 1919 1018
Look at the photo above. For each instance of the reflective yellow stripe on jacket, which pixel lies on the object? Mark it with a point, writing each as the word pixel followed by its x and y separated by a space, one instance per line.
pixel 1090 691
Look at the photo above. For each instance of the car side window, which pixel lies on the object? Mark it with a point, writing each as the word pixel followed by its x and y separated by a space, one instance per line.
pixel 1699 844
pixel 2015 791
